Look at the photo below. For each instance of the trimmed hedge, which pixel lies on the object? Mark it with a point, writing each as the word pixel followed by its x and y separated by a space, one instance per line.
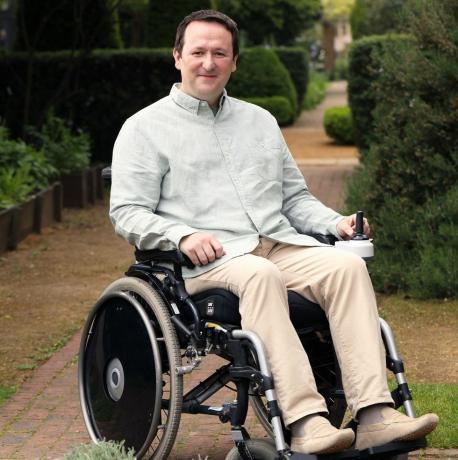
pixel 296 61
pixel 363 70
pixel 338 125
pixel 98 91
pixel 278 106
pixel 260 73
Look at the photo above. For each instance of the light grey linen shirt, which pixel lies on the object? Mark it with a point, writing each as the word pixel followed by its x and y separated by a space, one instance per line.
pixel 179 169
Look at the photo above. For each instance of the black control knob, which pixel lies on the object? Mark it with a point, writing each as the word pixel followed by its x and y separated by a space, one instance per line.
pixel 359 235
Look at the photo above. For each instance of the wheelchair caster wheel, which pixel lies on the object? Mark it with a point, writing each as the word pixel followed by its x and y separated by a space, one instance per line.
pixel 259 449
pixel 127 390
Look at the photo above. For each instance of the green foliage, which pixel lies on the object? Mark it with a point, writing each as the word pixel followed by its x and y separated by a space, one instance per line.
pixel 18 156
pixel 296 62
pixel 272 21
pixel 259 74
pixel 133 16
pixel 66 151
pixel 15 186
pixel 278 106
pixel 376 17
pixel 163 19
pixel 121 83
pixel 338 125
pixel 363 70
pixel 51 25
pixel 316 90
pixel 411 169
pixel 102 451
pixel 340 70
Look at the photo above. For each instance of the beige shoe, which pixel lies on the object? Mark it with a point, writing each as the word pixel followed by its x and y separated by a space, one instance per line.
pixel 322 438
pixel 395 427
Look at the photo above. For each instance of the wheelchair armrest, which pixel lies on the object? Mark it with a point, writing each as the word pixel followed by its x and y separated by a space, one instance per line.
pixel 106 174
pixel 325 239
pixel 175 257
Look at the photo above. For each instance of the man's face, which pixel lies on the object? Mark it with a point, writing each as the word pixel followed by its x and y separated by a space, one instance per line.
pixel 206 60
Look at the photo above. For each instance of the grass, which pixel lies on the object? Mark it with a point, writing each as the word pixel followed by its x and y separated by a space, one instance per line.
pixel 316 90
pixel 5 393
pixel 443 400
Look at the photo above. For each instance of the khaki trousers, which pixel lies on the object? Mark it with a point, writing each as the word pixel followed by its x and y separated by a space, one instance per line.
pixel 336 280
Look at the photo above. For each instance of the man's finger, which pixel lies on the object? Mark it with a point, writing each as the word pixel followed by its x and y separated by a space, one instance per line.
pixel 217 247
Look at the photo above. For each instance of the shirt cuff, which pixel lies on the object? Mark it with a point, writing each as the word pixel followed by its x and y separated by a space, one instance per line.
pixel 176 233
pixel 332 227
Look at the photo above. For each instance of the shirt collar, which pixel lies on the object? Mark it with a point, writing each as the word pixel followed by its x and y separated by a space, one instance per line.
pixel 190 103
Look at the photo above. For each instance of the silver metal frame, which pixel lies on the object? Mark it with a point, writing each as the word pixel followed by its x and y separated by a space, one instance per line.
pixel 265 370
pixel 393 352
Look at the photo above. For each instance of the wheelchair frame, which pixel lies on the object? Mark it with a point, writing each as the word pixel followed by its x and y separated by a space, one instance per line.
pixel 198 337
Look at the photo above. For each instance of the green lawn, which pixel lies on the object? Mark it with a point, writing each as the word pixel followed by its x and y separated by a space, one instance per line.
pixel 5 393
pixel 442 399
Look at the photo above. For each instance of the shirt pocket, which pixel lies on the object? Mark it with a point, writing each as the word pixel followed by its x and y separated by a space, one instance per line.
pixel 265 160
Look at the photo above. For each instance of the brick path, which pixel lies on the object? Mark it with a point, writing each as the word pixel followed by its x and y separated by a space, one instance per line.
pixel 42 420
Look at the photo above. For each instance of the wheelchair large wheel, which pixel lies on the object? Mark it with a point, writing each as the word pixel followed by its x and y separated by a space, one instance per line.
pixel 129 389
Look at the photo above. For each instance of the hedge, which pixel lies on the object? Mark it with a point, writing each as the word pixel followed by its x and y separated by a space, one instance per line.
pixel 278 106
pixel 260 73
pixel 98 91
pixel 364 68
pixel 338 125
pixel 296 61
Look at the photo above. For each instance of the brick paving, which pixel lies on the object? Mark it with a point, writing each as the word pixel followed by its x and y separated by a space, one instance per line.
pixel 43 420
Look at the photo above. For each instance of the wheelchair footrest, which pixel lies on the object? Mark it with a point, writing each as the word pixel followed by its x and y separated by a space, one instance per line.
pixel 387 450
pixel 394 448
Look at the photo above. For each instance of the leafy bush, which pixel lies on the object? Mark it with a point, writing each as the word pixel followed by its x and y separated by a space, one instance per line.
pixel 17 155
pixel 316 90
pixel 278 106
pixel 66 151
pixel 102 451
pixel 338 125
pixel 410 174
pixel 340 70
pixel 363 71
pixel 261 74
pixel 296 62
pixel 15 186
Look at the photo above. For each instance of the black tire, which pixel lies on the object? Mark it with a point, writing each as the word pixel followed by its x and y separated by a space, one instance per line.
pixel 260 449
pixel 144 348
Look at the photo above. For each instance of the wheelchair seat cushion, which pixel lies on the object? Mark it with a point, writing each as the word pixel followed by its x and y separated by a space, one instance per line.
pixel 222 306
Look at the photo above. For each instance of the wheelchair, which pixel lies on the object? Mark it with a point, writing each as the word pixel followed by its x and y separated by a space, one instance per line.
pixel 146 332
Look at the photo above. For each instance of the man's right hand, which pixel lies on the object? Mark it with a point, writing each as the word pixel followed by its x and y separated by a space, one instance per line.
pixel 201 248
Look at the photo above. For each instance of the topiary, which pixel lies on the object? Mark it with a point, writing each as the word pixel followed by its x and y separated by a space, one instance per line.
pixel 278 106
pixel 338 125
pixel 260 74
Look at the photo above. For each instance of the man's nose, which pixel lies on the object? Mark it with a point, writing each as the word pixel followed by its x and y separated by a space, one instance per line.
pixel 208 62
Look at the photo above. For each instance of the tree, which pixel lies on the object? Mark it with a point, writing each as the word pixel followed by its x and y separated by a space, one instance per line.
pixel 163 19
pixel 271 21
pixel 376 17
pixel 337 9
pixel 132 16
pixel 51 25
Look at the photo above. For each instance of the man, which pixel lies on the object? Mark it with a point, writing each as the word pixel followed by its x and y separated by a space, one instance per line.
pixel 212 176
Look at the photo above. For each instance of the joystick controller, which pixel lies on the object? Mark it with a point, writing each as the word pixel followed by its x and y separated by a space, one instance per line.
pixel 360 244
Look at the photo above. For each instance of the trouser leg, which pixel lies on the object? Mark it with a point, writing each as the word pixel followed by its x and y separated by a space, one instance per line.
pixel 340 283
pixel 264 310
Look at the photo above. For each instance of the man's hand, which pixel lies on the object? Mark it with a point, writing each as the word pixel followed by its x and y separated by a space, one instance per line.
pixel 201 248
pixel 347 226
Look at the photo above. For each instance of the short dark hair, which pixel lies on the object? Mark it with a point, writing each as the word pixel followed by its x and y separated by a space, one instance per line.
pixel 209 16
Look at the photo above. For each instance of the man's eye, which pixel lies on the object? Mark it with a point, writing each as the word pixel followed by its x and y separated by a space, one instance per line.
pixel 197 53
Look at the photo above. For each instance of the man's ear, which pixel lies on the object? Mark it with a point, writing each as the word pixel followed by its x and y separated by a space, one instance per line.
pixel 177 57
pixel 234 63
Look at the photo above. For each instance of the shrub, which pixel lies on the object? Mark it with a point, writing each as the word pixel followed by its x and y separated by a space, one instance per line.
pixel 278 106
pixel 338 125
pixel 66 151
pixel 363 71
pixel 105 450
pixel 296 62
pixel 316 90
pixel 15 185
pixel 410 174
pixel 261 74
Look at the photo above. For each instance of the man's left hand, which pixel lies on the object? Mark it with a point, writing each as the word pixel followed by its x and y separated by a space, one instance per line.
pixel 347 227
